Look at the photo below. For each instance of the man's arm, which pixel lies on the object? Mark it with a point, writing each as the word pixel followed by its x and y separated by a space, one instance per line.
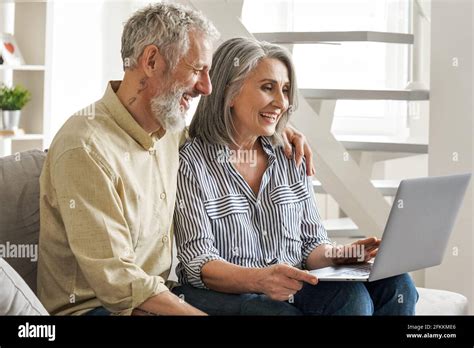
pixel 166 303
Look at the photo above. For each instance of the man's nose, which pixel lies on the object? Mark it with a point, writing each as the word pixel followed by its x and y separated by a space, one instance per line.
pixel 203 85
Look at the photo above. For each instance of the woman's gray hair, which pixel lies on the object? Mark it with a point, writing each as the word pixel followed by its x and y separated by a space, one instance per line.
pixel 165 25
pixel 232 63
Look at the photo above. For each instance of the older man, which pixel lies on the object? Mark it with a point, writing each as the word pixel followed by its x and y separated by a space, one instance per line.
pixel 109 182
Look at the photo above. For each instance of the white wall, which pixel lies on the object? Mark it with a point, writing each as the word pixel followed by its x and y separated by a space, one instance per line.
pixel 451 132
pixel 85 54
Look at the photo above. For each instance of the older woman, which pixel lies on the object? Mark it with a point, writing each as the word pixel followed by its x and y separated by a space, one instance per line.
pixel 246 224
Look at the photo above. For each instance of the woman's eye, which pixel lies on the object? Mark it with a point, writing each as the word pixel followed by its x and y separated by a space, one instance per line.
pixel 267 88
pixel 286 91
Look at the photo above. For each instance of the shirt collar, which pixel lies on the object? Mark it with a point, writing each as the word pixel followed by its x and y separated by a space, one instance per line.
pixel 268 147
pixel 124 119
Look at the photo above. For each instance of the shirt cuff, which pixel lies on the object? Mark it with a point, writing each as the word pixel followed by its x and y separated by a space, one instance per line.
pixel 142 290
pixel 193 269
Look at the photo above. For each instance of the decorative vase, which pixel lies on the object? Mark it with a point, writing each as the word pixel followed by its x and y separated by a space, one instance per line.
pixel 11 119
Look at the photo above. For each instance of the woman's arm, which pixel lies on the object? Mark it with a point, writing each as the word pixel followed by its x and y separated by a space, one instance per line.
pixel 319 257
pixel 313 235
pixel 226 277
pixel 279 282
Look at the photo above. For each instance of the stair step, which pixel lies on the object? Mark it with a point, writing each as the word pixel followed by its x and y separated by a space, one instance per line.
pixel 381 143
pixel 386 187
pixel 334 36
pixel 342 227
pixel 365 94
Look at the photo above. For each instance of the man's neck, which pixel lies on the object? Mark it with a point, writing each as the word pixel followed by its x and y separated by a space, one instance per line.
pixel 133 95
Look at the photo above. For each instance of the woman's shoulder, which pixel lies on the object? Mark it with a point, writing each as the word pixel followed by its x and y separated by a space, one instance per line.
pixel 192 147
pixel 198 152
pixel 288 165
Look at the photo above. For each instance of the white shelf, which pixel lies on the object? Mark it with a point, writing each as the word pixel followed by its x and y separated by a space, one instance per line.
pixel 385 187
pixel 6 142
pixel 21 137
pixel 380 143
pixel 365 94
pixel 334 36
pixel 23 67
pixel 31 24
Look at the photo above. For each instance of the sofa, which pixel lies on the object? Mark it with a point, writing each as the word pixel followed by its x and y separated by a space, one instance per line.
pixel 19 226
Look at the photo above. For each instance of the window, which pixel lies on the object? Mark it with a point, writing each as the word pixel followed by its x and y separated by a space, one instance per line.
pixel 346 65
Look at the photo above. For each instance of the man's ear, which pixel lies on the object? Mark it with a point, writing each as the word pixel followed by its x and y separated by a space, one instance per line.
pixel 152 61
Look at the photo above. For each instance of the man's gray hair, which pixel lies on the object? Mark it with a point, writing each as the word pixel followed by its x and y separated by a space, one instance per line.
pixel 165 25
pixel 232 63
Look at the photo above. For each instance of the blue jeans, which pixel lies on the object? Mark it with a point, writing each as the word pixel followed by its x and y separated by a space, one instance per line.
pixel 391 296
pixel 99 311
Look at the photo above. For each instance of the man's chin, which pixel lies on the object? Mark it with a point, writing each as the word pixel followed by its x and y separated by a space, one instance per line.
pixel 175 124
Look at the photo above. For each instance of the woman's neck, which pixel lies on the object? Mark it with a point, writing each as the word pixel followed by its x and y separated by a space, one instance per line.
pixel 247 144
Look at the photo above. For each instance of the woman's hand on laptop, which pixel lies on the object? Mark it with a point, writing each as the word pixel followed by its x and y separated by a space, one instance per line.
pixel 362 250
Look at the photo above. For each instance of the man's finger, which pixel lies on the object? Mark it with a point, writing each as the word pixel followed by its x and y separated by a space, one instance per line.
pixel 298 143
pixel 286 145
pixel 308 154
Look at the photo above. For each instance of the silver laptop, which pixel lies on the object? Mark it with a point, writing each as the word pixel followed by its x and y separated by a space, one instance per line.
pixel 417 231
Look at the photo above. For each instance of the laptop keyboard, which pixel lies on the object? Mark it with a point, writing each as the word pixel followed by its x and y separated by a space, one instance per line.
pixel 359 270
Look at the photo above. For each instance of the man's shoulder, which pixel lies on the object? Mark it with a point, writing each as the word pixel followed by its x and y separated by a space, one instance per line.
pixel 89 128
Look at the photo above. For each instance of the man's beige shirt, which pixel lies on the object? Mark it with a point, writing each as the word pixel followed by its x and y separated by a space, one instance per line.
pixel 106 203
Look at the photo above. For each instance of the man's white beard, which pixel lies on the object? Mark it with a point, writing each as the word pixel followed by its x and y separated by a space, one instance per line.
pixel 168 111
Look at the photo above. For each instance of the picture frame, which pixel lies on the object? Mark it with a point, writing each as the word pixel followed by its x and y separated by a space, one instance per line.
pixel 9 50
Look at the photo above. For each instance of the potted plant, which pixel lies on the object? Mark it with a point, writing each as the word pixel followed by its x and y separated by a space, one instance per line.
pixel 12 100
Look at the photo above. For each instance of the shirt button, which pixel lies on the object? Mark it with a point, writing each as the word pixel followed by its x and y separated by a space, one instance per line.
pixel 165 239
pixel 163 195
pixel 268 261
pixel 264 233
pixel 151 151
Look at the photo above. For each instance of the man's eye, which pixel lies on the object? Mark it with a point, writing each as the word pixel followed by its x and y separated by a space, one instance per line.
pixel 286 90
pixel 267 88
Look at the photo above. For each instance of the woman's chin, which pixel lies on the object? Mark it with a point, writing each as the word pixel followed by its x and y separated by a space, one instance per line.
pixel 267 131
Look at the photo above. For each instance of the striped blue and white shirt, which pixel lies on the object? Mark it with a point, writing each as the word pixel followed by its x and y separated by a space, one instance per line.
pixel 219 217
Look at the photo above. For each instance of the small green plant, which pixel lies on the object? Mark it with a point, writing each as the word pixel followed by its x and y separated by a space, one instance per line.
pixel 13 98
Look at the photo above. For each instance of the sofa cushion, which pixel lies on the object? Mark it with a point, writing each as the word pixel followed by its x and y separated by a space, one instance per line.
pixel 19 213
pixel 440 302
pixel 16 298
